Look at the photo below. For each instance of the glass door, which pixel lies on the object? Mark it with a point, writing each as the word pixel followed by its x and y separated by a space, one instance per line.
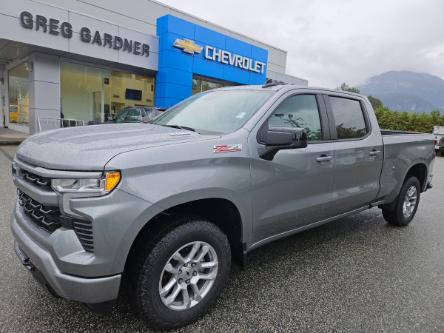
pixel 97 95
pixel 18 93
pixel 82 92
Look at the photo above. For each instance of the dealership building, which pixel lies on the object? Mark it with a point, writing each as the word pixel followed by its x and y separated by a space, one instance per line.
pixel 85 60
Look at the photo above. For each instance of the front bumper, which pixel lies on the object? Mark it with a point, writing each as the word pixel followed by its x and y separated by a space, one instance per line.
pixel 40 262
pixel 77 260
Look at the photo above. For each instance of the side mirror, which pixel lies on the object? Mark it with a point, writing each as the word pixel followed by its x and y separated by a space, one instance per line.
pixel 277 138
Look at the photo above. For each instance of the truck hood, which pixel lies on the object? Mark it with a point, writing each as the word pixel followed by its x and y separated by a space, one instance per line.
pixel 91 147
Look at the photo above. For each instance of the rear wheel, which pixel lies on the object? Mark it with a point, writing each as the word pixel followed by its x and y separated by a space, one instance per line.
pixel 182 275
pixel 402 212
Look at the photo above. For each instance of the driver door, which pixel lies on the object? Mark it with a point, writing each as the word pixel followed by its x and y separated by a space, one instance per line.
pixel 294 189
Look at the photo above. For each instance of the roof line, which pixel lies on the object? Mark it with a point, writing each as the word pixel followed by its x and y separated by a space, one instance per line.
pixel 146 22
pixel 217 25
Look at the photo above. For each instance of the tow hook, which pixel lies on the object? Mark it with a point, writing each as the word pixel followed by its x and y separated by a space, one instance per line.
pixel 28 264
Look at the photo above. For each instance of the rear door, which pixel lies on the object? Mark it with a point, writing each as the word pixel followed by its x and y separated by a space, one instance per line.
pixel 293 189
pixel 357 152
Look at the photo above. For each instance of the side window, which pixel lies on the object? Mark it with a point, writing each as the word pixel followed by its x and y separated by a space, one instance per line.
pixel 133 114
pixel 349 118
pixel 298 111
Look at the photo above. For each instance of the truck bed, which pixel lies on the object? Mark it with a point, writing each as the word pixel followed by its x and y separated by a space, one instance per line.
pixel 401 150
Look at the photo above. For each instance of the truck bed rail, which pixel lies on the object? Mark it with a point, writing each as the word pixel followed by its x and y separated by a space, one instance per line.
pixel 397 132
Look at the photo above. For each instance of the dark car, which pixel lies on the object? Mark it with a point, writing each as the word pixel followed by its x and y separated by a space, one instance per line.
pixel 132 114
pixel 136 114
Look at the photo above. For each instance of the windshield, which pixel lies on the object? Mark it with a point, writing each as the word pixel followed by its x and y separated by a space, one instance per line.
pixel 222 111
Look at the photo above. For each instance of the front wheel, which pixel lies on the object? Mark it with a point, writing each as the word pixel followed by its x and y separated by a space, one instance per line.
pixel 182 275
pixel 406 205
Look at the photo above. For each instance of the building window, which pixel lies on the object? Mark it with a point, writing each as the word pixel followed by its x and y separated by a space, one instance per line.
pixel 201 84
pixel 95 94
pixel 19 81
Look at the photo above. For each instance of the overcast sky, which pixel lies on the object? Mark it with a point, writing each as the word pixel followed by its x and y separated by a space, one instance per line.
pixel 334 41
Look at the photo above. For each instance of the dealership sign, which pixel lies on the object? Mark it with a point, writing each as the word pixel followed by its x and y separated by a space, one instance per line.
pixel 64 29
pixel 222 56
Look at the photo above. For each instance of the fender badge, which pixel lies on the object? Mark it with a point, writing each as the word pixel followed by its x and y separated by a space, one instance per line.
pixel 227 148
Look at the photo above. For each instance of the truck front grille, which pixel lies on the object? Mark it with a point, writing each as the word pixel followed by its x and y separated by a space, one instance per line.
pixel 44 216
pixel 35 179
pixel 50 219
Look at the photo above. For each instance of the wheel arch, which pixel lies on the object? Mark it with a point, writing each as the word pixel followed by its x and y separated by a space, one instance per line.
pixel 420 171
pixel 221 211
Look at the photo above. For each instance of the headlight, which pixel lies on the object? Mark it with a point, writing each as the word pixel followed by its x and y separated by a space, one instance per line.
pixel 100 186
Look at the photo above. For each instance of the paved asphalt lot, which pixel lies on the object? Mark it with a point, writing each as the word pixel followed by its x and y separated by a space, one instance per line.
pixel 353 275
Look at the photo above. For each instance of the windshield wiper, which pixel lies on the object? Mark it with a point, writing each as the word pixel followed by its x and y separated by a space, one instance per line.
pixel 181 127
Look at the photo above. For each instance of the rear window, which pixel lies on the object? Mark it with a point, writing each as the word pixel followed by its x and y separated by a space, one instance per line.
pixel 349 118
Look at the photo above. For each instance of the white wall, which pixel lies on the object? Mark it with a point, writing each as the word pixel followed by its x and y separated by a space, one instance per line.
pixel 133 19
pixel 45 89
pixel 10 29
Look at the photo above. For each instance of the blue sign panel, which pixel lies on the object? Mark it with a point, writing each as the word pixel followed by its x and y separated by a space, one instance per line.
pixel 187 49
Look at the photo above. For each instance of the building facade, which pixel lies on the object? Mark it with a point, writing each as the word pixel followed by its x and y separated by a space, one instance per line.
pixel 84 61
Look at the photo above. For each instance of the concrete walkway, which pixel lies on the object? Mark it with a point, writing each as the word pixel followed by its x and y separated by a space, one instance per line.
pixel 11 137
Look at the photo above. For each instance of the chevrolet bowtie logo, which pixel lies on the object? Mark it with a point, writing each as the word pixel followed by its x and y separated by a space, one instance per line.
pixel 187 46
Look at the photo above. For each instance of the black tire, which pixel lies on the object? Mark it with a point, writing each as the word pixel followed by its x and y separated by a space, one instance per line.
pixel 151 261
pixel 393 213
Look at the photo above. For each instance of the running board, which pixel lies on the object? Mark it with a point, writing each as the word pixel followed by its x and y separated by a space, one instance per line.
pixel 305 227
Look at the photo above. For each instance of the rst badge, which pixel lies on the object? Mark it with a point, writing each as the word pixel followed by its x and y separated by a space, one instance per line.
pixel 232 148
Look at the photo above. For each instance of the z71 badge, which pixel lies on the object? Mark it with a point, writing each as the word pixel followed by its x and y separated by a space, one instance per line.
pixel 227 148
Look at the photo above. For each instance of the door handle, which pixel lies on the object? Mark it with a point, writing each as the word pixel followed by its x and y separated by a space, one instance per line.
pixel 374 152
pixel 324 158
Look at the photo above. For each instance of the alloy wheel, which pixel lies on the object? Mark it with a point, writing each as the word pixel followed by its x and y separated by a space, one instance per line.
pixel 188 276
pixel 410 201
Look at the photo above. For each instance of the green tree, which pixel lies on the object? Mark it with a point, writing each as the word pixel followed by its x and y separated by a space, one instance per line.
pixel 436 115
pixel 345 87
pixel 375 102
pixel 408 121
pixel 401 121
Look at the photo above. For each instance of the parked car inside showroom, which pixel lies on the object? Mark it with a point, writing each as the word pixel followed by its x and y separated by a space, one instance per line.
pixel 136 114
pixel 132 114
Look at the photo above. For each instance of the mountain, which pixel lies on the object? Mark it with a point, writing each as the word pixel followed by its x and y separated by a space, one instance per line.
pixel 406 91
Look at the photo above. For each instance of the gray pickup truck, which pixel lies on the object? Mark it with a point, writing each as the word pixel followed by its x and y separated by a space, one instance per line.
pixel 160 209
